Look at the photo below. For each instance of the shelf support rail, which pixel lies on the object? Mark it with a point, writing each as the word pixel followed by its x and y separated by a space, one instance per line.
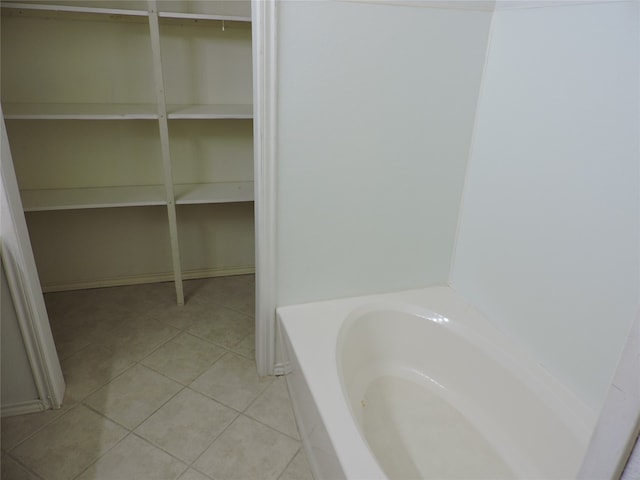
pixel 154 30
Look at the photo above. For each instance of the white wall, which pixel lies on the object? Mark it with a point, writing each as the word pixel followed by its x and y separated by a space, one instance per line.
pixel 548 240
pixel 376 106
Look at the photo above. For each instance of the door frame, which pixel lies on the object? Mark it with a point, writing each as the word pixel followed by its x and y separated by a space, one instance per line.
pixel 264 46
pixel 24 284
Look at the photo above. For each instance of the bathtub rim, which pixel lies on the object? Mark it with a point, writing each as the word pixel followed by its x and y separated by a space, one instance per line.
pixel 320 323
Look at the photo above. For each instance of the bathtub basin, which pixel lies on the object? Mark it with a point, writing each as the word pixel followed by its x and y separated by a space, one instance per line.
pixel 418 384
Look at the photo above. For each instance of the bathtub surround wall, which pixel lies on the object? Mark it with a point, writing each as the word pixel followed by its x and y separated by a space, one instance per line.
pixel 548 241
pixel 375 123
pixel 375 112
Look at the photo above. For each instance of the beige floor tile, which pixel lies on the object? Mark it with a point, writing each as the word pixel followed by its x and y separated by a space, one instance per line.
pixel 248 450
pixel 146 296
pixel 91 368
pixel 83 310
pixel 273 407
pixel 187 424
pixel 192 474
pixel 298 469
pixel 14 430
pixel 138 338
pixel 133 396
pixel 134 459
pixel 236 293
pixel 68 341
pixel 101 333
pixel 68 445
pixel 183 358
pixel 247 346
pixel 60 303
pixel 222 326
pixel 12 470
pixel 233 381
pixel 181 317
pixel 88 311
pixel 131 301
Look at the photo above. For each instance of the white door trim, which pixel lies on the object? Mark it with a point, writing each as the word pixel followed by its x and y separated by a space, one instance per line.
pixel 264 32
pixel 24 285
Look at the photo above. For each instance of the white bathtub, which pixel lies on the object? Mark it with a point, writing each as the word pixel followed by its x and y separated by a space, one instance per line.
pixel 418 384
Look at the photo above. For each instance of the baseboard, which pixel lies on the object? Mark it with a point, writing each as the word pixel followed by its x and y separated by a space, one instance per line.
pixel 147 278
pixel 281 368
pixel 22 408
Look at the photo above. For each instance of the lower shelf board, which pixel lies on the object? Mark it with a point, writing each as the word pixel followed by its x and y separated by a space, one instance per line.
pixel 80 111
pixel 99 197
pixel 134 196
pixel 223 192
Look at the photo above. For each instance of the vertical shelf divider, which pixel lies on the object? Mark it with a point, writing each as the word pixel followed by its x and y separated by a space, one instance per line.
pixel 154 30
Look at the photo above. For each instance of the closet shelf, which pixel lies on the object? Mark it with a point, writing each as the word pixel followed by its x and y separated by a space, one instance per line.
pixel 80 111
pixel 209 111
pixel 121 111
pixel 50 7
pixel 203 16
pixel 38 200
pixel 221 192
pixel 61 8
pixel 97 197
pixel 107 96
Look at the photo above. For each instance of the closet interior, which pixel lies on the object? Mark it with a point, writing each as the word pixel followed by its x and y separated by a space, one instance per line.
pixel 130 125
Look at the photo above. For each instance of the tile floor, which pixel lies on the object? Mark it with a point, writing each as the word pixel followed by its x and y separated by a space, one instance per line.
pixel 156 391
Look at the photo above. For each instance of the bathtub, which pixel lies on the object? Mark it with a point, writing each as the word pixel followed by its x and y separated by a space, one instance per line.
pixel 418 384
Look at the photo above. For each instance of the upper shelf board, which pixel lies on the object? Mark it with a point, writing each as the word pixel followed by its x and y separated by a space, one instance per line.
pixel 119 111
pixel 50 7
pixel 203 16
pixel 47 7
pixel 209 111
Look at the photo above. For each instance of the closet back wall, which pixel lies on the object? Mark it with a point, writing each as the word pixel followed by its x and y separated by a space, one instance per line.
pixel 91 174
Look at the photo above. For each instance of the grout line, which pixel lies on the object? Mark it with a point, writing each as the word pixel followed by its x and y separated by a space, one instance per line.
pixel 290 462
pixel 131 431
pixel 146 440
pixel 192 465
pixel 91 392
pixel 198 376
pixel 200 471
pixel 228 349
pixel 154 412
pixel 271 427
pixel 39 429
pixel 159 346
pixel 105 416
pixel 101 456
pixel 23 466
pixel 148 416
pixel 214 400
